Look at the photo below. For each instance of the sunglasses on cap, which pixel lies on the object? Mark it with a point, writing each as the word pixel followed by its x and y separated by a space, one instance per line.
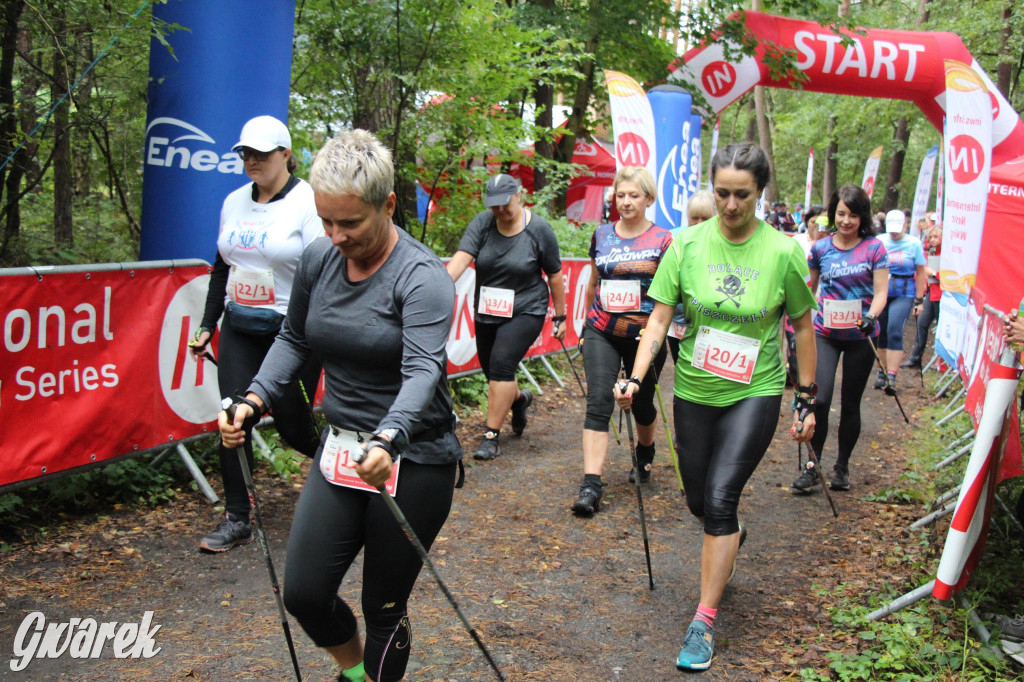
pixel 247 154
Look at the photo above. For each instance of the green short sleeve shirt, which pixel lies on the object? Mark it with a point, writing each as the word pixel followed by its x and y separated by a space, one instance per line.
pixel 734 296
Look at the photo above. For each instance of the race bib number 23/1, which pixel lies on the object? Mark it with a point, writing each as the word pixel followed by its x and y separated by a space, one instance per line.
pixel 726 355
pixel 338 467
pixel 841 314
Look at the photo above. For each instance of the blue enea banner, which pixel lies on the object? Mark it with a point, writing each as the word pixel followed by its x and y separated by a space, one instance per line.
pixel 670 105
pixel 694 158
pixel 231 63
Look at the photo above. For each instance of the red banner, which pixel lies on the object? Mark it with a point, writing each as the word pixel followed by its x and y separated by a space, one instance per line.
pixel 95 365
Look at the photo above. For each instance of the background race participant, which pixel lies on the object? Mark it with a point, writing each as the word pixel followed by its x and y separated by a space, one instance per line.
pixel 513 248
pixel 736 276
pixel 906 293
pixel 851 267
pixel 386 390
pixel 264 228
pixel 699 208
pixel 624 256
pixel 930 306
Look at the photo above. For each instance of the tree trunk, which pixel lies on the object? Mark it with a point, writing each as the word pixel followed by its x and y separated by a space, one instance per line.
pixel 764 134
pixel 900 138
pixel 10 175
pixel 566 145
pixel 828 184
pixel 544 99
pixel 1004 72
pixel 63 176
pixel 751 133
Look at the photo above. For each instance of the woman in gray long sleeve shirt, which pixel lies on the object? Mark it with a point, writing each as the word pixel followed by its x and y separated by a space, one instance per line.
pixel 375 306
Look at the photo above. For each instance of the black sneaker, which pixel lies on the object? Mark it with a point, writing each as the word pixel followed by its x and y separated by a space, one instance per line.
pixel 231 532
pixel 644 457
pixel 840 479
pixel 589 500
pixel 911 364
pixel 488 446
pixel 519 411
pixel 880 380
pixel 808 479
pixel 890 385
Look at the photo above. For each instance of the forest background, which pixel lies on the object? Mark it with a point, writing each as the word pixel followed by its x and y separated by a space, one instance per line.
pixel 446 84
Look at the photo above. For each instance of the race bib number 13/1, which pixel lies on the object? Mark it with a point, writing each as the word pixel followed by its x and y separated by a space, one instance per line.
pixel 338 467
pixel 726 355
pixel 496 301
pixel 841 314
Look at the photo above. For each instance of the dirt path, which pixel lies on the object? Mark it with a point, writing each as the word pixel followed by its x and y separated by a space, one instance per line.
pixel 553 596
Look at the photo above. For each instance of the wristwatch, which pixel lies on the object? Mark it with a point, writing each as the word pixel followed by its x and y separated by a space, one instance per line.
pixel 811 390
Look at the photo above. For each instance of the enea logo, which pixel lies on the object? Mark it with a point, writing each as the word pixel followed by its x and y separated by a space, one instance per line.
pixel 461 346
pixel 672 190
pixel 189 386
pixel 966 159
pixel 718 78
pixel 579 300
pixel 167 152
pixel 632 150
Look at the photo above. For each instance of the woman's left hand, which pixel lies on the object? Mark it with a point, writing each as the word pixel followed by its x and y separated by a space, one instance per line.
pixel 624 397
pixel 558 332
pixel 376 468
pixel 803 431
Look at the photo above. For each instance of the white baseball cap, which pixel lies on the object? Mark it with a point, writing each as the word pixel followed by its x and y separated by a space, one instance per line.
pixel 264 134
pixel 894 221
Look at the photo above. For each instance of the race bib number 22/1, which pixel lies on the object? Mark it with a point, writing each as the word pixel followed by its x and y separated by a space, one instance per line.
pixel 726 355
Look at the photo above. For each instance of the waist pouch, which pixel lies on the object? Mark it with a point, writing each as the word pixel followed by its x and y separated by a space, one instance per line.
pixel 255 321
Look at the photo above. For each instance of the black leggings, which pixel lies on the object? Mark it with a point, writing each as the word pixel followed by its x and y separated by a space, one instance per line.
pixel 719 448
pixel 858 359
pixel 602 357
pixel 240 358
pixel 929 314
pixel 331 524
pixel 501 347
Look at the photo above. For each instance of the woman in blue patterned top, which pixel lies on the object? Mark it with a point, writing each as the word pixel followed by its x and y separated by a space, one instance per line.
pixel 906 293
pixel 624 257
pixel 852 269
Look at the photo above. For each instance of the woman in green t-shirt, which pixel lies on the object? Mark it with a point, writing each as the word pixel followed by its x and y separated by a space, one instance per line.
pixel 735 277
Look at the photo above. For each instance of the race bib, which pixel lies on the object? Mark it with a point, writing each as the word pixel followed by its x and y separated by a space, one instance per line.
pixel 620 295
pixel 726 355
pixel 338 467
pixel 676 330
pixel 841 314
pixel 497 302
pixel 251 287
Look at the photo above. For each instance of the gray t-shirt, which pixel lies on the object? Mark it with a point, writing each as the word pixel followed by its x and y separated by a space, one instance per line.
pixel 513 262
pixel 381 342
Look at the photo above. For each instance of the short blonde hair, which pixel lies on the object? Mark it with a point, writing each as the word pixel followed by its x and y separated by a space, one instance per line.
pixel 639 175
pixel 354 163
pixel 701 206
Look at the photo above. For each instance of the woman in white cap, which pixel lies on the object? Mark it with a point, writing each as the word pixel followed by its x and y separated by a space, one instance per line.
pixel 906 293
pixel 265 226
pixel 513 248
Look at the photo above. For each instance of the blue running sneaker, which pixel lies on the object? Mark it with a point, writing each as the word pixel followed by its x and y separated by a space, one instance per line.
pixel 698 647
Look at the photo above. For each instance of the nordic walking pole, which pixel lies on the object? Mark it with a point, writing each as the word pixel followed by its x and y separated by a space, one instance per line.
pixel 261 536
pixel 639 495
pixel 888 381
pixel 668 436
pixel 573 367
pixel 410 534
pixel 821 477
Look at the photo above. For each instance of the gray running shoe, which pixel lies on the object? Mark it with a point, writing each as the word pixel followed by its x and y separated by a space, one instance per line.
pixel 808 479
pixel 231 532
pixel 840 479
pixel 488 446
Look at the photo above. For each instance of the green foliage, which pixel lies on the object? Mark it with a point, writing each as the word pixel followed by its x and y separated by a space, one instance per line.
pixel 469 391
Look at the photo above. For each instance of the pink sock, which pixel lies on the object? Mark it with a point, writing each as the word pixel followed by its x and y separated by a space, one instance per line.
pixel 706 615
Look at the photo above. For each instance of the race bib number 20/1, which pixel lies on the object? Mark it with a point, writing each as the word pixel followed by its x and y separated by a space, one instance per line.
pixel 726 355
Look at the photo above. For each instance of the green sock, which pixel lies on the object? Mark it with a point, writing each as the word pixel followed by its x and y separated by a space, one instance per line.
pixel 355 674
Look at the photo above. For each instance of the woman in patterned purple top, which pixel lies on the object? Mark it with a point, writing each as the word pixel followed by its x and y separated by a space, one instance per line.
pixel 624 257
pixel 852 269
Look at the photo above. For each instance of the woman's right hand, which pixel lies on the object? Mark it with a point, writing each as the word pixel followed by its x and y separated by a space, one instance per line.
pixel 624 391
pixel 197 346
pixel 232 435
